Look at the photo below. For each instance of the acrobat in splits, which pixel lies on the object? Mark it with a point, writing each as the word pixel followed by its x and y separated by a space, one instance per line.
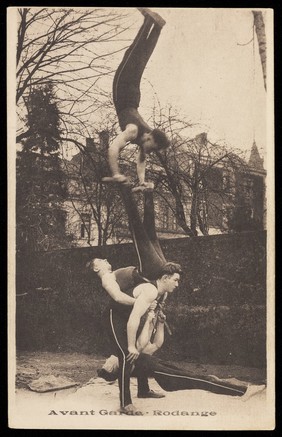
pixel 150 282
pixel 169 376
pixel 126 97
pixel 124 321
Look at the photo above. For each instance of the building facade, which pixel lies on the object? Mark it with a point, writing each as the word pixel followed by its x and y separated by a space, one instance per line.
pixel 234 201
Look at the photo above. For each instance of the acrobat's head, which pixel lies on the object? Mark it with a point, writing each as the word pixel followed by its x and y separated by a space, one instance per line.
pixel 160 139
pixel 154 141
pixel 169 277
pixel 99 266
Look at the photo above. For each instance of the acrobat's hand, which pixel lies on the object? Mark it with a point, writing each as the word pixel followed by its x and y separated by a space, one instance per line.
pixel 161 317
pixel 132 355
pixel 161 305
pixel 153 305
pixel 118 178
pixel 145 186
pixel 148 185
pixel 121 178
pixel 151 315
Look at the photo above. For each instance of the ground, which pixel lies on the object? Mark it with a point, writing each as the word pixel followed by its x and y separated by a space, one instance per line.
pixel 94 403
pixel 81 368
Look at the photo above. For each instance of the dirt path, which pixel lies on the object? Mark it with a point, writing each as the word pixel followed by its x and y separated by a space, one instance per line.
pixel 81 368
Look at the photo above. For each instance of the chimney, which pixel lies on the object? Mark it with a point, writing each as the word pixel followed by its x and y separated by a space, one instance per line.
pixel 104 139
pixel 201 139
pixel 90 143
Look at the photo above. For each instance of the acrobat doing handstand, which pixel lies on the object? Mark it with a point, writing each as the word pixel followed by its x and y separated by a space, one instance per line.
pixel 126 97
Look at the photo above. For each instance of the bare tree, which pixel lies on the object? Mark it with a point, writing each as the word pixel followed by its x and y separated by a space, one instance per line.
pixel 194 177
pixel 74 50
pixel 87 193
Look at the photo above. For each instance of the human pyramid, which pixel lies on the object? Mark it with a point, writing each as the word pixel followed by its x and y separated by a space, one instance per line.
pixel 141 290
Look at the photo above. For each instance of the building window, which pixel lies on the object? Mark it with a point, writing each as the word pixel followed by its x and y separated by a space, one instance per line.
pixel 166 218
pixel 174 223
pixel 226 182
pixel 248 188
pixel 85 226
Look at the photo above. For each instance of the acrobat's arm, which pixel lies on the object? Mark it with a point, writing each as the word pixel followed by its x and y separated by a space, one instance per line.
pixel 141 166
pixel 145 335
pixel 144 343
pixel 142 303
pixel 152 347
pixel 111 286
pixel 129 134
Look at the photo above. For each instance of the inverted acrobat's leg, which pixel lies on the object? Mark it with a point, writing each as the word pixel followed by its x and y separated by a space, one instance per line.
pixel 149 222
pixel 150 261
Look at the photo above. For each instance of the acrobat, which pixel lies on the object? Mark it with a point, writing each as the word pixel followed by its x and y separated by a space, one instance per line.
pixel 126 97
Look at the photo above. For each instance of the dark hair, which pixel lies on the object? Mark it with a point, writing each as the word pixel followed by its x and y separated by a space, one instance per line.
pixel 169 269
pixel 89 265
pixel 161 139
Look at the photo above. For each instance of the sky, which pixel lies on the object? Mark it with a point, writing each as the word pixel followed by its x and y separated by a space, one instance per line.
pixel 206 65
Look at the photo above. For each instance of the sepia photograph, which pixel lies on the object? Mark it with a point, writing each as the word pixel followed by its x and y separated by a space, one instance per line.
pixel 141 218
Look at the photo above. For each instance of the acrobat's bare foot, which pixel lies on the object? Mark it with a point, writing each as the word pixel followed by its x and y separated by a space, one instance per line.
pixel 233 381
pixel 253 390
pixel 156 17
pixel 121 179
pixel 130 410
pixel 147 186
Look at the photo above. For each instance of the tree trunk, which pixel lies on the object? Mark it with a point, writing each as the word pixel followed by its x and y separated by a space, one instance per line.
pixel 202 224
pixel 193 213
pixel 260 31
pixel 179 210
